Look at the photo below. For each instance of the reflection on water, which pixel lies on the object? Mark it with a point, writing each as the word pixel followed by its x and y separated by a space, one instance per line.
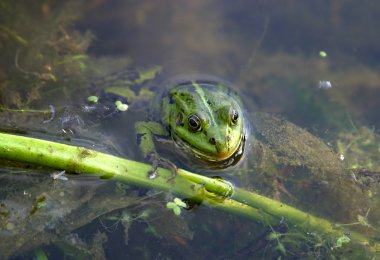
pixel 52 53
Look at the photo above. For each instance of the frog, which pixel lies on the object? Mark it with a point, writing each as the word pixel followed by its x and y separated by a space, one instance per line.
pixel 201 116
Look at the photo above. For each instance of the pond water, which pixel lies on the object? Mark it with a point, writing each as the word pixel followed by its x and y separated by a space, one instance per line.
pixel 307 73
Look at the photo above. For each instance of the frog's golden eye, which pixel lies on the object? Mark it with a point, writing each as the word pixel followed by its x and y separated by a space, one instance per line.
pixel 194 123
pixel 234 115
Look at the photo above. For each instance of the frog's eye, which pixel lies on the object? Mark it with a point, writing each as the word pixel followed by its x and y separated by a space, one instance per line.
pixel 194 123
pixel 234 115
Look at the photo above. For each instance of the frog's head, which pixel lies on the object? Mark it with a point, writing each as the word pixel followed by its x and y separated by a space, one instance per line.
pixel 206 119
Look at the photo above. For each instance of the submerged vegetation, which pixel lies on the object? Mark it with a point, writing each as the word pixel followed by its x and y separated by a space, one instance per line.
pixel 35 65
pixel 47 72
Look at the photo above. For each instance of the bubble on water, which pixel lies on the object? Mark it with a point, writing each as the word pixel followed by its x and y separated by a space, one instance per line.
pixel 324 84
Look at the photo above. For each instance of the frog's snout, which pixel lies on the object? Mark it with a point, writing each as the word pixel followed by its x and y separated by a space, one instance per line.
pixel 222 146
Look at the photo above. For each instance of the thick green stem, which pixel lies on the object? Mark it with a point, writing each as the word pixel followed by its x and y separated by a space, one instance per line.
pixel 211 191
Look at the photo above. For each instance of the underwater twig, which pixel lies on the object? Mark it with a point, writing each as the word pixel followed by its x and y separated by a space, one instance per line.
pixel 213 192
pixel 351 122
pixel 248 67
pixel 21 110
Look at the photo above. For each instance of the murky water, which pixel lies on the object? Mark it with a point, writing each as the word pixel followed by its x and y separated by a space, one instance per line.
pixel 312 67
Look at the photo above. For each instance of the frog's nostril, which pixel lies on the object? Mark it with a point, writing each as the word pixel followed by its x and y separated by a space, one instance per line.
pixel 212 141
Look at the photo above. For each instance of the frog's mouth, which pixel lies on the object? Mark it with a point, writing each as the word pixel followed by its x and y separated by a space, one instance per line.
pixel 215 161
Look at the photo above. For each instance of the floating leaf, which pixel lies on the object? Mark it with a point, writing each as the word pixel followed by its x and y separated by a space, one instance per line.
pixel 180 203
pixel 177 210
pixel 171 205
pixel 93 99
pixel 322 54
pixel 121 106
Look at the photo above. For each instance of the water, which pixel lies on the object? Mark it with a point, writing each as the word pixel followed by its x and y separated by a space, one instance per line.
pixel 276 55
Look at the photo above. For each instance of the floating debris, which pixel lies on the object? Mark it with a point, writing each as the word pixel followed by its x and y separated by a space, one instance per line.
pixel 52 110
pixel 59 176
pixel 88 109
pixel 324 84
pixel 70 119
pixel 152 175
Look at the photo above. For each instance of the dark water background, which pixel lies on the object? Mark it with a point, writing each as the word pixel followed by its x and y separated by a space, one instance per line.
pixel 266 47
pixel 269 50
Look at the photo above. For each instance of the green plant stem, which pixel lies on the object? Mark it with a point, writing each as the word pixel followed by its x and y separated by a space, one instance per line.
pixel 37 111
pixel 295 216
pixel 208 190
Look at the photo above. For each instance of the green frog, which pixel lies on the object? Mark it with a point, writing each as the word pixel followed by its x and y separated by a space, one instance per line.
pixel 202 116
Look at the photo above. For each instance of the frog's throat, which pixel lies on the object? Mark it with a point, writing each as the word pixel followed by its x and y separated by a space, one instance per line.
pixel 211 158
